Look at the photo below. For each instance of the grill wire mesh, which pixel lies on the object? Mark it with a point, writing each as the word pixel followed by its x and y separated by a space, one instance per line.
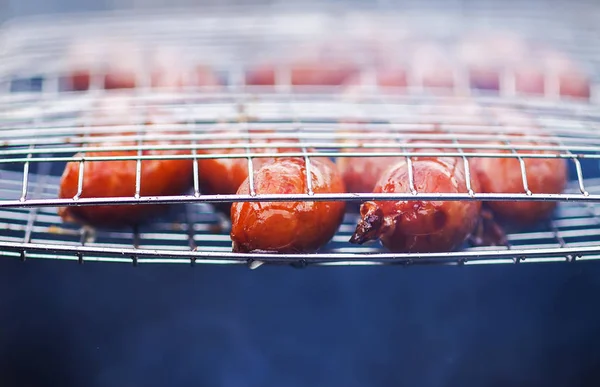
pixel 43 127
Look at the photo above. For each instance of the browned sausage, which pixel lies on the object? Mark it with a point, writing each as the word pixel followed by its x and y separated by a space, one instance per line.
pixel 288 227
pixel 225 175
pixel 417 225
pixel 304 73
pixel 503 175
pixel 124 62
pixel 104 179
pixel 546 175
pixel 361 174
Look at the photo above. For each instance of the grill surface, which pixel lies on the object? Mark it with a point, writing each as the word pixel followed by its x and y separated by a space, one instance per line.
pixel 43 126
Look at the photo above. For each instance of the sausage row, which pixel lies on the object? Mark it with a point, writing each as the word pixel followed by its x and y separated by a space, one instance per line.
pixel 305 226
pixel 493 63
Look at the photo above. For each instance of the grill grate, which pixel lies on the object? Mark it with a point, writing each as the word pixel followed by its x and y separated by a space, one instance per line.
pixel 39 233
pixel 42 128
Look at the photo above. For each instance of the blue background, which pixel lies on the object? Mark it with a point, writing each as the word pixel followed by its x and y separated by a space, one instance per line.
pixel 106 325
pixel 97 325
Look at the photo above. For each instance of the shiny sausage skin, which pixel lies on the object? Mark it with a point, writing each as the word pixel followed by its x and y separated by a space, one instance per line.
pixel 102 179
pixel 288 227
pixel 417 226
pixel 503 175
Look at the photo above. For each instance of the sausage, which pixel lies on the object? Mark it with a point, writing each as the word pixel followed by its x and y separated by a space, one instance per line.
pixel 503 175
pixel 486 56
pixel 288 227
pixel 121 65
pixel 103 179
pixel 529 79
pixel 326 63
pixel 432 67
pixel 573 82
pixel 305 73
pixel 117 62
pixel 223 176
pixel 386 78
pixel 546 175
pixel 361 174
pixel 418 226
pixel 170 68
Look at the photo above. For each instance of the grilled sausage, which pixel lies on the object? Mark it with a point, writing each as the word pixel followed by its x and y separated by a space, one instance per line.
pixel 303 73
pixel 432 67
pixel 223 176
pixel 104 179
pixel 121 64
pixel 288 227
pixel 415 225
pixel 573 82
pixel 547 175
pixel 360 174
pixel 503 175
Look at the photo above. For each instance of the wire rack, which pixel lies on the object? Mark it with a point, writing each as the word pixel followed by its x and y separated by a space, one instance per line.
pixel 43 126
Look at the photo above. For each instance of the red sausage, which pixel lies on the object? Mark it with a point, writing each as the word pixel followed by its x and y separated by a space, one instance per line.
pixel 288 227
pixel 573 82
pixel 104 179
pixel 361 174
pixel 420 226
pixel 432 67
pixel 121 66
pixel 386 78
pixel 486 56
pixel 117 62
pixel 225 175
pixel 305 73
pixel 529 79
pixel 503 175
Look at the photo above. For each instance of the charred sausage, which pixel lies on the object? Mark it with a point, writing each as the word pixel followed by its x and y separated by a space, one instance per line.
pixel 288 227
pixel 415 225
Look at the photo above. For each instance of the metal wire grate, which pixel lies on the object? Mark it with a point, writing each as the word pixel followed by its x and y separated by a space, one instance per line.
pixel 41 131
pixel 199 235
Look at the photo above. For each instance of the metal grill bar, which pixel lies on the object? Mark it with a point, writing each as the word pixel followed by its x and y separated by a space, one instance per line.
pixel 538 254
